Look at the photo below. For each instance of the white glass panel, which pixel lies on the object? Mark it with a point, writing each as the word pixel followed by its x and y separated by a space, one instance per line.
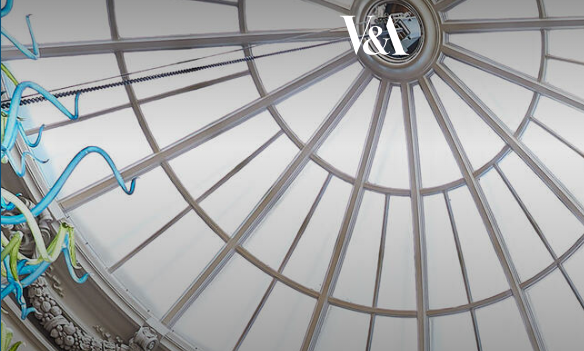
pixel 560 227
pixel 115 223
pixel 60 72
pixel 446 285
pixel 125 144
pixel 137 61
pixel 564 8
pixel 143 18
pixel 272 238
pixel 479 141
pixel 204 166
pixel 561 43
pixel 344 146
pixel 343 330
pixel 574 267
pixel 559 315
pixel 395 334
pixel 566 76
pixel 437 162
pixel 218 317
pixel 280 69
pixel 164 269
pixel 501 327
pixel 282 322
pixel 485 272
pixel 390 166
pixel 175 117
pixel 567 165
pixel 305 110
pixel 472 9
pixel 298 14
pixel 508 101
pixel 311 258
pixel 453 332
pixel 235 200
pixel 357 279
pixel 527 251
pixel 57 21
pixel 398 278
pixel 566 121
pixel 518 50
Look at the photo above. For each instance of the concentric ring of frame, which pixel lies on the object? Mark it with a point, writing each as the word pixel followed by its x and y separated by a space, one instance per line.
pixel 445 4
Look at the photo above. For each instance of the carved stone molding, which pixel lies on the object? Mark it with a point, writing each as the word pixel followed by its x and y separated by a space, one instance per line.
pixel 70 337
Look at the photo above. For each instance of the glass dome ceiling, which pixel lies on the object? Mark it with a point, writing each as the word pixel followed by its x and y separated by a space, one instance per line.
pixel 306 202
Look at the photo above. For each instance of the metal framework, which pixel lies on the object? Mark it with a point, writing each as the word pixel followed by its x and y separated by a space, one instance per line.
pixel 307 152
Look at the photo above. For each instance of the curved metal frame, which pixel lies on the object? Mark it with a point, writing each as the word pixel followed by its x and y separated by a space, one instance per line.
pixel 307 152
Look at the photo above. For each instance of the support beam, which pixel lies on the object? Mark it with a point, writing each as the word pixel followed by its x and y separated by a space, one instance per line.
pixel 176 42
pixel 510 139
pixel 349 219
pixel 417 203
pixel 485 212
pixel 208 132
pixel 333 5
pixel 445 5
pixel 268 201
pixel 511 75
pixel 506 25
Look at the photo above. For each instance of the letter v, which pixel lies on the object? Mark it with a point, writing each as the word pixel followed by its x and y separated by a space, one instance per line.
pixel 352 28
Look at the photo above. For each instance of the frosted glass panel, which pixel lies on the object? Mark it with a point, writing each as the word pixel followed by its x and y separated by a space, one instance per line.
pixel 485 272
pixel 235 200
pixel 560 227
pixel 116 223
pixel 501 327
pixel 453 332
pixel 566 76
pixel 518 50
pixel 193 110
pixel 559 315
pixel 282 323
pixel 398 284
pixel 202 167
pixel 395 334
pixel 343 330
pixel 508 101
pixel 174 259
pixel 82 20
pixel 561 42
pixel 357 279
pixel 135 18
pixel 311 258
pixel 528 253
pixel 296 63
pixel 311 15
pixel 273 237
pixel 390 165
pixel 471 9
pixel 478 140
pixel 574 267
pixel 437 161
pixel 306 110
pixel 344 146
pixel 446 286
pixel 567 165
pixel 564 120
pixel 218 317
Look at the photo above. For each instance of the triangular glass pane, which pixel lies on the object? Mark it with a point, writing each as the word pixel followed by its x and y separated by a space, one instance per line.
pixel 343 148
pixel 390 165
pixel 480 143
pixel 305 110
pixel 518 50
pixel 357 278
pixel 437 161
